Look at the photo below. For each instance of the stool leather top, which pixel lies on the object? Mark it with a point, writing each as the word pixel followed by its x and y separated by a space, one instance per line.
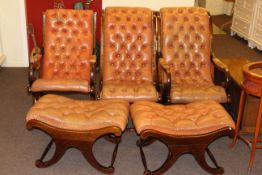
pixel 65 113
pixel 196 118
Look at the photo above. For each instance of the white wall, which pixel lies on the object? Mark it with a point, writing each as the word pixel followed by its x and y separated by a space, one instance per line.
pixel 153 4
pixel 13 33
pixel 217 7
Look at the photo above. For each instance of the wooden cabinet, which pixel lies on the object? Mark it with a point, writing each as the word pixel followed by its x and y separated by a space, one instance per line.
pixel 247 21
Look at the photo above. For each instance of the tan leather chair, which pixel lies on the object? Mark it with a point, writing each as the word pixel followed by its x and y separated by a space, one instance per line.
pixel 68 63
pixel 186 69
pixel 127 55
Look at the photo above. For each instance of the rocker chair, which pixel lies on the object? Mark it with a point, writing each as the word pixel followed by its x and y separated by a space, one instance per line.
pixel 67 63
pixel 128 55
pixel 186 66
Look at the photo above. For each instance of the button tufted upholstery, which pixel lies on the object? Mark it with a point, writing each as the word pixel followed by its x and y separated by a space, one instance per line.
pixel 187 93
pixel 68 47
pixel 186 47
pixel 65 113
pixel 128 54
pixel 130 91
pixel 196 118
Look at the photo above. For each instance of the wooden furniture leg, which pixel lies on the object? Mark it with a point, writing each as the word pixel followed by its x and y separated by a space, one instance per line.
pixel 82 140
pixel 179 145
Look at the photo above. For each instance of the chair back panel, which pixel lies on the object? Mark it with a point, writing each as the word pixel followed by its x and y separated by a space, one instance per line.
pixel 128 44
pixel 68 44
pixel 186 44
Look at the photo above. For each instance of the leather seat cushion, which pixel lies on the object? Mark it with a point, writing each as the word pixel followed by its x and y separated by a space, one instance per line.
pixel 191 119
pixel 61 85
pixel 190 93
pixel 129 90
pixel 65 113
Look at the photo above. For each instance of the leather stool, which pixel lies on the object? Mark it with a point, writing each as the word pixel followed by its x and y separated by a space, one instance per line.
pixel 78 124
pixel 183 129
pixel 252 85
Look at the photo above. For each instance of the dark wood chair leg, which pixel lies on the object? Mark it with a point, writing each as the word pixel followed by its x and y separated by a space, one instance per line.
pixel 199 155
pixel 82 140
pixel 59 152
pixel 179 145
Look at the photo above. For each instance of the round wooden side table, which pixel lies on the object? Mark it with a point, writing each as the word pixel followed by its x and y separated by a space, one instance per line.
pixel 252 85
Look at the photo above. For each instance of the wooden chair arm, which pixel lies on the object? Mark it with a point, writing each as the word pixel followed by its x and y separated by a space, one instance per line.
pixel 165 80
pixel 93 73
pixel 35 57
pixel 223 68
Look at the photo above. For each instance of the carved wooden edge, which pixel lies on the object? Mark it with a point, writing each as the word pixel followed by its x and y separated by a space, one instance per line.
pixel 76 135
pixel 197 145
pixel 82 140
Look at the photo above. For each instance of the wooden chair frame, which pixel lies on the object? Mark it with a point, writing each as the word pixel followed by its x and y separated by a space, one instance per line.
pixel 154 50
pixel 82 140
pixel 164 69
pixel 36 59
pixel 196 145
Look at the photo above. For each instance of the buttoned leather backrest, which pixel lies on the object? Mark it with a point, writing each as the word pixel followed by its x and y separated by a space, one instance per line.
pixel 68 44
pixel 128 47
pixel 186 44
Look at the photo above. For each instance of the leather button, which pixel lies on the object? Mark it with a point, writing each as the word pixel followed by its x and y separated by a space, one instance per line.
pixel 128 18
pixel 180 11
pixel 181 46
pixel 59 23
pixel 134 11
pixel 80 24
pixel 174 18
pixel 144 27
pixel 202 28
pixel 128 56
pixel 75 32
pixel 58 40
pixel 118 37
pixel 123 46
pixel 196 18
pixel 54 31
pixel 139 19
pixel 69 23
pixel 52 47
pixel 186 37
pixel 123 27
pixel 170 27
pixel 64 30
pixel 170 45
pixel 128 37
pixel 118 18
pixel 112 27
pixel 175 37
pixel 191 28
pixel 181 28
pixel 191 46
pixel 57 56
pixel 198 38
pixel 144 46
pixel 134 27
pixel 176 55
pixel 67 56
pixel 68 40
pixel 75 15
pixel 185 19
pixel 139 37
pixel 112 46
